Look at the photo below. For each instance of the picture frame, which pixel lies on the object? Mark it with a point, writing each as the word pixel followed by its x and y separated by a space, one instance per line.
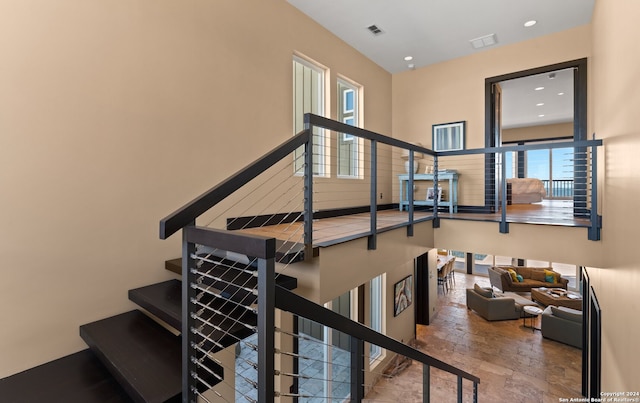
pixel 431 194
pixel 448 136
pixel 402 295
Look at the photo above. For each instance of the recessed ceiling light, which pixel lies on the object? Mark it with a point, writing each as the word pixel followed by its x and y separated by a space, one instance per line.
pixel 539 88
pixel 408 58
pixel 561 93
pixel 530 23
pixel 540 116
pixel 540 104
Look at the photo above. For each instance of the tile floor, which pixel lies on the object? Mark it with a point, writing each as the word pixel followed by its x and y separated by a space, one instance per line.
pixel 514 364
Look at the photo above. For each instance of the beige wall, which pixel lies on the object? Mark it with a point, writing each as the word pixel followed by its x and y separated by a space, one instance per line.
pixel 615 104
pixel 113 114
pixel 538 132
pixel 537 242
pixel 454 91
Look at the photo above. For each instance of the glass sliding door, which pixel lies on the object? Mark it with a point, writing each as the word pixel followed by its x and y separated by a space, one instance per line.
pixel 554 168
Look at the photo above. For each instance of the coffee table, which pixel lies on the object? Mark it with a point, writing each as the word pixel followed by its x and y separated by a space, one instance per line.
pixel 546 296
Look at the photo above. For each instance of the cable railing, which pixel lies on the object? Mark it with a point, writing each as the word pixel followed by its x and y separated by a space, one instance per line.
pixel 231 298
pixel 268 216
pixel 242 324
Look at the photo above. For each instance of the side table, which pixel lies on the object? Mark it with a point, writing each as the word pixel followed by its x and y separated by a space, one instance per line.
pixel 452 200
pixel 534 312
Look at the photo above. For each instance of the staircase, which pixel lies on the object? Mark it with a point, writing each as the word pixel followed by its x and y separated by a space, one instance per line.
pixel 132 357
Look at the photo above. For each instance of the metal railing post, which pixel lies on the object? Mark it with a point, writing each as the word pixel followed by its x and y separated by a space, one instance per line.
pixel 410 194
pixel 357 369
pixel 372 241
pixel 436 219
pixel 308 193
pixel 475 392
pixel 594 229
pixel 426 383
pixel 459 389
pixel 266 329
pixel 189 368
pixel 504 225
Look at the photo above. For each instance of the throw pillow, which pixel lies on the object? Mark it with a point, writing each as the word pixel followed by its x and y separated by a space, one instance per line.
pixel 549 276
pixel 514 275
pixel 520 278
pixel 487 293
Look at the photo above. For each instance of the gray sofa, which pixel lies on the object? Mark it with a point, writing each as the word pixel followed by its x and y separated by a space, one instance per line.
pixel 495 306
pixel 562 324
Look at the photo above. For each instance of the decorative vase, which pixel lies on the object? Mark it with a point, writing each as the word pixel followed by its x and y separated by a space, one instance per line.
pixel 416 166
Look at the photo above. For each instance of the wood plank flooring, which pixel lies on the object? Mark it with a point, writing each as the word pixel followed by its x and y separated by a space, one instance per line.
pixel 549 212
pixel 338 229
pixel 514 364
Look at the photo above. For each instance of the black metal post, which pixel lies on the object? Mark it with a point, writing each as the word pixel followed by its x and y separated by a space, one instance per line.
pixel 308 194
pixel 436 219
pixel 459 389
pixel 357 369
pixel 266 330
pixel 426 383
pixel 189 384
pixel 594 229
pixel 372 241
pixel 410 194
pixel 504 225
pixel 475 392
pixel 295 388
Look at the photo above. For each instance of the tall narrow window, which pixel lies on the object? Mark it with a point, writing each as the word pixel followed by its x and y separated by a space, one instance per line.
pixel 348 145
pixel 376 292
pixel 308 97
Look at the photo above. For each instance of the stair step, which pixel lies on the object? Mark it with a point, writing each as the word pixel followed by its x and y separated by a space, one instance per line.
pixel 164 300
pixel 76 378
pixel 288 282
pixel 144 357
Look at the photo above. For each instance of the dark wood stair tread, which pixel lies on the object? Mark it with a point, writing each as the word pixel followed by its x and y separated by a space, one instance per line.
pixel 144 357
pixel 76 378
pixel 164 300
pixel 288 282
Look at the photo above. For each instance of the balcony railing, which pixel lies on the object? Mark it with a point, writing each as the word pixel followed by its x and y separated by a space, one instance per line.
pixel 558 188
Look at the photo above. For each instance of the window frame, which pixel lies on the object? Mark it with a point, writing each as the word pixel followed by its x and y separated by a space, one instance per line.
pixel 321 142
pixel 351 116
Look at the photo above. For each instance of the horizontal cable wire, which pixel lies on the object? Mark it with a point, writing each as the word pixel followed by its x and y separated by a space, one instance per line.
pixel 262 183
pixel 230 318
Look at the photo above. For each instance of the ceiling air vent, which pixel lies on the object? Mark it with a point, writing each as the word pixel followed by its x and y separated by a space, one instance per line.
pixel 484 41
pixel 375 30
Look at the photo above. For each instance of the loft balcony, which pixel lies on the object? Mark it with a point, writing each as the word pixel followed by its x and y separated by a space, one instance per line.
pixel 361 181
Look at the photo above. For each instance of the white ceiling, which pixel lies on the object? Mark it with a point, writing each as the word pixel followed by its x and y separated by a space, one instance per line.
pixel 520 100
pixel 437 30
pixel 433 31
